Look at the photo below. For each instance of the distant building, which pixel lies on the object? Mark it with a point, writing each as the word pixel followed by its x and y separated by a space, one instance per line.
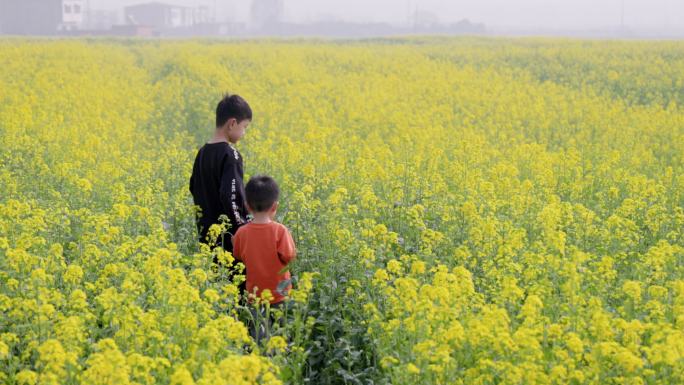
pixel 73 12
pixel 40 17
pixel 133 30
pixel 101 19
pixel 208 29
pixel 160 15
pixel 265 14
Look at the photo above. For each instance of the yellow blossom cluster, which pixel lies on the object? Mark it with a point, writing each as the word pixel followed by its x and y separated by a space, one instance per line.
pixel 476 211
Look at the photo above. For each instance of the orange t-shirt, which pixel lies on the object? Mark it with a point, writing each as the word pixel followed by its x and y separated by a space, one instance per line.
pixel 265 249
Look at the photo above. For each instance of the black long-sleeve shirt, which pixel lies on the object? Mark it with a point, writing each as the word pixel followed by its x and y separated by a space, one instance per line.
pixel 217 187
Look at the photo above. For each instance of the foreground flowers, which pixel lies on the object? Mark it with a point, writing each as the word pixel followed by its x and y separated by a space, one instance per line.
pixel 474 210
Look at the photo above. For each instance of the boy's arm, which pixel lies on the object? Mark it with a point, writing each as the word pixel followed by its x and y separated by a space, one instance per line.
pixel 191 180
pixel 192 177
pixel 286 247
pixel 231 194
pixel 237 245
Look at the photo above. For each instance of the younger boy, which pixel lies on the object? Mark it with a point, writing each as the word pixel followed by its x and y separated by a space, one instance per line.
pixel 264 246
pixel 216 182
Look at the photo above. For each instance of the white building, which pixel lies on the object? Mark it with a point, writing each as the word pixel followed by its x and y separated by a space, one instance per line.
pixel 72 15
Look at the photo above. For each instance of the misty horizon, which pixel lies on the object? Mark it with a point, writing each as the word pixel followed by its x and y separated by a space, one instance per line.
pixel 521 14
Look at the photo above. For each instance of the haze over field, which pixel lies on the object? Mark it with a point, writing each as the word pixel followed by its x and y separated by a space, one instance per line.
pixel 662 15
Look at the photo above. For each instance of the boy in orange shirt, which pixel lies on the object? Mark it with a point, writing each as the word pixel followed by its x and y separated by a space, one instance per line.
pixel 263 245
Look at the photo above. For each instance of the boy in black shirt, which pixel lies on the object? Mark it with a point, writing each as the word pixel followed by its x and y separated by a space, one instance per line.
pixel 216 183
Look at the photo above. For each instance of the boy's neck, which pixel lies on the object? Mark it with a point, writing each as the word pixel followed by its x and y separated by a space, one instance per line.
pixel 219 137
pixel 261 218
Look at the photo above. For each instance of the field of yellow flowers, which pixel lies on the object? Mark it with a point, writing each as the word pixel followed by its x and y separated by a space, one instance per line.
pixel 466 211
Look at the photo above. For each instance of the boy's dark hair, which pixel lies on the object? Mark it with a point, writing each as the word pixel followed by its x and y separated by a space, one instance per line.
pixel 232 106
pixel 261 193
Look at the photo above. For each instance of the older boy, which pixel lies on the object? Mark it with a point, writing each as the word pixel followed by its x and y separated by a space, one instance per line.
pixel 216 182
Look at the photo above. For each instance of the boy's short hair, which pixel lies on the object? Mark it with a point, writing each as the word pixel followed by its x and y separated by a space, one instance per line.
pixel 261 193
pixel 232 106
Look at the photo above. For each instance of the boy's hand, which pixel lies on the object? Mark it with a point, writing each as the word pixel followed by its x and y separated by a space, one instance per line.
pixel 283 286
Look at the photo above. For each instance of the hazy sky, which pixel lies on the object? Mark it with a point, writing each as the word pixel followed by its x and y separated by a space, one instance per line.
pixel 566 14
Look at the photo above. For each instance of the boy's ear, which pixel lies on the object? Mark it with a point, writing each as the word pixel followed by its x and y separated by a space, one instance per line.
pixel 232 122
pixel 225 126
